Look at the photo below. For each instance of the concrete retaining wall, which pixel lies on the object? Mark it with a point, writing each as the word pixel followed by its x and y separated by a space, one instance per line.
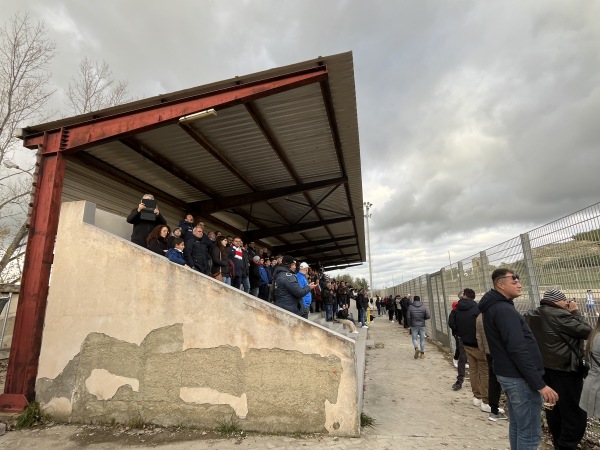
pixel 129 335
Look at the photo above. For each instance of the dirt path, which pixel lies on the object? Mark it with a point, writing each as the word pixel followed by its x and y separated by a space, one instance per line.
pixel 411 401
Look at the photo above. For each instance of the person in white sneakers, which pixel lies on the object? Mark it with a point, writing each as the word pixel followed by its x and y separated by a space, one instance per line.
pixel 466 314
pixel 494 389
pixel 344 318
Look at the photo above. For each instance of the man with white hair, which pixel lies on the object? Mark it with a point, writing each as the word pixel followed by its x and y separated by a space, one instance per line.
pixel 196 252
pixel 303 281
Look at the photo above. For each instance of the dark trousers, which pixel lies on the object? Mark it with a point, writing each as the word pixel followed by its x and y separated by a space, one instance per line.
pixel 391 314
pixel 462 360
pixel 494 388
pixel 404 312
pixel 566 421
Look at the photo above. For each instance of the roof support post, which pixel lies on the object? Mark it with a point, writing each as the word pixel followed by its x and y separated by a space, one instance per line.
pixel 19 388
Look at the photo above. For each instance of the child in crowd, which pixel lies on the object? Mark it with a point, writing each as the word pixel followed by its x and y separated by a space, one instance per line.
pixel 176 234
pixel 176 253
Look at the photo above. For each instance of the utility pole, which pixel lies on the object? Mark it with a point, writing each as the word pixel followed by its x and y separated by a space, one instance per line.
pixel 367 206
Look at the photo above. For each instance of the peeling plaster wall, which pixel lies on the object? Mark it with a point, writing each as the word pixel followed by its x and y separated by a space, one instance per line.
pixel 129 334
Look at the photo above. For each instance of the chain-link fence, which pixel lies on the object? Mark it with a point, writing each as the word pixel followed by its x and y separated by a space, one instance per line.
pixel 564 254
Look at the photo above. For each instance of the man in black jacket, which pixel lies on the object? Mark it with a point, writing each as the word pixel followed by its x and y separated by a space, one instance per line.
pixel 560 330
pixel 196 252
pixel 288 293
pixel 517 360
pixel 143 227
pixel 467 311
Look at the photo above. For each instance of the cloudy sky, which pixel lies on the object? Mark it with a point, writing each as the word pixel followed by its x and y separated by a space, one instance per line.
pixel 479 120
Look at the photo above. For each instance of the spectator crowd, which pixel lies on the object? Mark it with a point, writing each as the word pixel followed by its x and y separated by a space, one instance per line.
pixel 537 359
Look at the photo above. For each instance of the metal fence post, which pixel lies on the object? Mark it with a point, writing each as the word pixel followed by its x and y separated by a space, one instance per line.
pixel 444 310
pixel 485 267
pixel 534 289
pixel 460 275
pixel 431 306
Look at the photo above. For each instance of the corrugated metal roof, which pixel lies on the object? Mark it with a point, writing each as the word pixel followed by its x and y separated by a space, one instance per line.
pixel 291 137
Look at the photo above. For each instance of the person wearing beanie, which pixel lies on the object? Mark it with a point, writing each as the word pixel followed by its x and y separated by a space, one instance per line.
pixel 560 330
pixel 288 292
pixel 176 233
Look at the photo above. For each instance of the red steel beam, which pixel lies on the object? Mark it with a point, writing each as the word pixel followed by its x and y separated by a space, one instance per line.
pixel 80 136
pixel 19 388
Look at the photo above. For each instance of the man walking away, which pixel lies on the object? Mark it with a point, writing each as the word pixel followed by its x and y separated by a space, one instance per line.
pixel 517 360
pixel 417 314
pixel 560 330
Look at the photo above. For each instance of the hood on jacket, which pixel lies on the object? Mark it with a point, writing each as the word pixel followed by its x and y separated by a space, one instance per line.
pixel 491 297
pixel 417 303
pixel 464 304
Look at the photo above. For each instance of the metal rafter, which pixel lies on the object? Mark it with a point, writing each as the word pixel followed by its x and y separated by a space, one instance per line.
pixel 218 155
pixel 260 123
pixel 79 136
pixel 326 93
pixel 122 177
pixel 302 245
pixel 221 203
pixel 275 231
pixel 316 250
pixel 169 166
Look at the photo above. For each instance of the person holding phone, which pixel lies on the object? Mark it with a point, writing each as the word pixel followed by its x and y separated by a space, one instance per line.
pixel 143 223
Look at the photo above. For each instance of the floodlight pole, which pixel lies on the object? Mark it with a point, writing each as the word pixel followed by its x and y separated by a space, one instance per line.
pixel 367 206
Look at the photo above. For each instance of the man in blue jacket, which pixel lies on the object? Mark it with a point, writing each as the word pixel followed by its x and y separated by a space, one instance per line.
pixel 517 360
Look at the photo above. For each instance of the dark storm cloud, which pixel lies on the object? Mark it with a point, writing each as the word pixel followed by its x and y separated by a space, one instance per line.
pixel 478 120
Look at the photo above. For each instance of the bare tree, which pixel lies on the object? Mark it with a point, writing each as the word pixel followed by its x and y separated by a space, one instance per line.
pixel 25 54
pixel 94 88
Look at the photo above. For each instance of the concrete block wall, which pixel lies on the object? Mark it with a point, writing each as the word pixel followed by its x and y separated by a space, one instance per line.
pixel 130 335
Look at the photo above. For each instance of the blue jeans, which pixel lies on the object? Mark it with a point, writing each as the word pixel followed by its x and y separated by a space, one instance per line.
pixel 418 331
pixel 362 317
pixel 329 312
pixel 245 284
pixel 524 409
pixel 227 280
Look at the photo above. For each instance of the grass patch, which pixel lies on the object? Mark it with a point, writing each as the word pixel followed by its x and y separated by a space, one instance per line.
pixel 32 416
pixel 229 426
pixel 366 421
pixel 136 422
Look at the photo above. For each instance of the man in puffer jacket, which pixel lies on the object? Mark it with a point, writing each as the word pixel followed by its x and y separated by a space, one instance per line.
pixel 416 316
pixel 559 328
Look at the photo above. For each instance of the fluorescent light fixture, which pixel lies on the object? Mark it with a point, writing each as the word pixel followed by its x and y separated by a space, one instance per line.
pixel 198 116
